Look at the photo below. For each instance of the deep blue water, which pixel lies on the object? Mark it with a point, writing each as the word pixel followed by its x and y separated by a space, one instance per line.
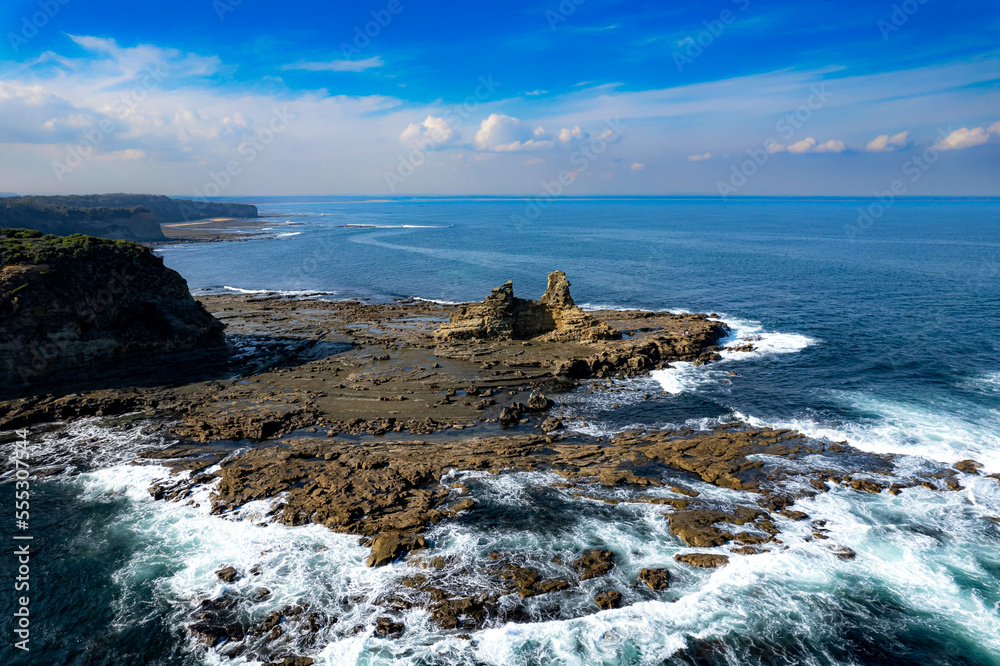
pixel 885 337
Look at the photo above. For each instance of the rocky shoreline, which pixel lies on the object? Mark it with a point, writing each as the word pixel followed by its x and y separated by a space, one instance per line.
pixel 356 416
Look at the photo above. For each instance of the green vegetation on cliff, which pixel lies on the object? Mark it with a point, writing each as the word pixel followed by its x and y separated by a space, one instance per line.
pixel 29 246
pixel 135 217
pixel 167 210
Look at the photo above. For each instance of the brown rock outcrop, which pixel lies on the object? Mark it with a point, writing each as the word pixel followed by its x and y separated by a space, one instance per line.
pixel 656 579
pixel 75 304
pixel 703 560
pixel 503 316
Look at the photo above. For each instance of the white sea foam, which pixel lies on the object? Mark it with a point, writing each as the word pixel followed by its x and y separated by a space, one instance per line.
pixel 283 293
pixel 438 301
pixel 959 432
pixel 920 549
pixel 684 377
pixel 987 383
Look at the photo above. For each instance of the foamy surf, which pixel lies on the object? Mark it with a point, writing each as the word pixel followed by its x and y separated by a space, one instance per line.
pixel 684 377
pixel 961 432
pixel 921 551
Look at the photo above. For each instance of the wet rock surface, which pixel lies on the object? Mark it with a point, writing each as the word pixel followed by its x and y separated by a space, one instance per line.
pixel 358 416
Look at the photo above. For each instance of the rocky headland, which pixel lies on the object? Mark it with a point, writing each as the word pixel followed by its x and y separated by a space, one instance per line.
pixel 356 416
pixel 135 217
pixel 74 305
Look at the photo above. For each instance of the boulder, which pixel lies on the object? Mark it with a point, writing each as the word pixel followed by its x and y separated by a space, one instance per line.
pixel 389 547
pixel 608 600
pixel 537 402
pixel 594 562
pixel 227 574
pixel 656 579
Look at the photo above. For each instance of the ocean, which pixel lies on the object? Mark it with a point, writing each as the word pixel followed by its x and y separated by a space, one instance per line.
pixel 881 333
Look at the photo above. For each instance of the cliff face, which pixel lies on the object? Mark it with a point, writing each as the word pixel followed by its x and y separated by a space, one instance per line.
pixel 134 217
pixel 70 305
pixel 137 223
pixel 164 208
pixel 503 316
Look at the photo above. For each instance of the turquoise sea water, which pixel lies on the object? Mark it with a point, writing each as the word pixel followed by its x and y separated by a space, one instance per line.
pixel 883 335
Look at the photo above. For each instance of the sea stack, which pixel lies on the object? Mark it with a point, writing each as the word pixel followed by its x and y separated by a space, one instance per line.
pixel 503 316
pixel 71 305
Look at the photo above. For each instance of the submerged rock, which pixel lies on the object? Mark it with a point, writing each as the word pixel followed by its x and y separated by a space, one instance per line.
pixel 656 579
pixel 608 600
pixel 385 626
pixel 227 574
pixel 594 562
pixel 703 560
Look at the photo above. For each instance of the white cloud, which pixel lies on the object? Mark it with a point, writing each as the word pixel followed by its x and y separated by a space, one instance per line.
pixel 636 167
pixel 885 143
pixel 808 145
pixel 434 131
pixel 570 135
pixel 699 158
pixel 503 134
pixel 994 128
pixel 963 138
pixel 337 65
pixel 831 146
pixel 536 92
pixel 803 146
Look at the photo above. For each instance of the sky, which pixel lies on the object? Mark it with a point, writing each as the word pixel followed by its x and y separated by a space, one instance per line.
pixel 557 98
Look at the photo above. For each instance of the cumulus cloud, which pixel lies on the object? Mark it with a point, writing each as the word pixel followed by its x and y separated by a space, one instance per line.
pixel 994 128
pixel 963 138
pixel 803 146
pixel 570 135
pixel 337 65
pixel 502 133
pixel 884 143
pixel 636 166
pixel 831 146
pixel 699 158
pixel 434 131
pixel 808 145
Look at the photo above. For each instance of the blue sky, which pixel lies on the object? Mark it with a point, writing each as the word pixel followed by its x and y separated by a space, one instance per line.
pixel 737 97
